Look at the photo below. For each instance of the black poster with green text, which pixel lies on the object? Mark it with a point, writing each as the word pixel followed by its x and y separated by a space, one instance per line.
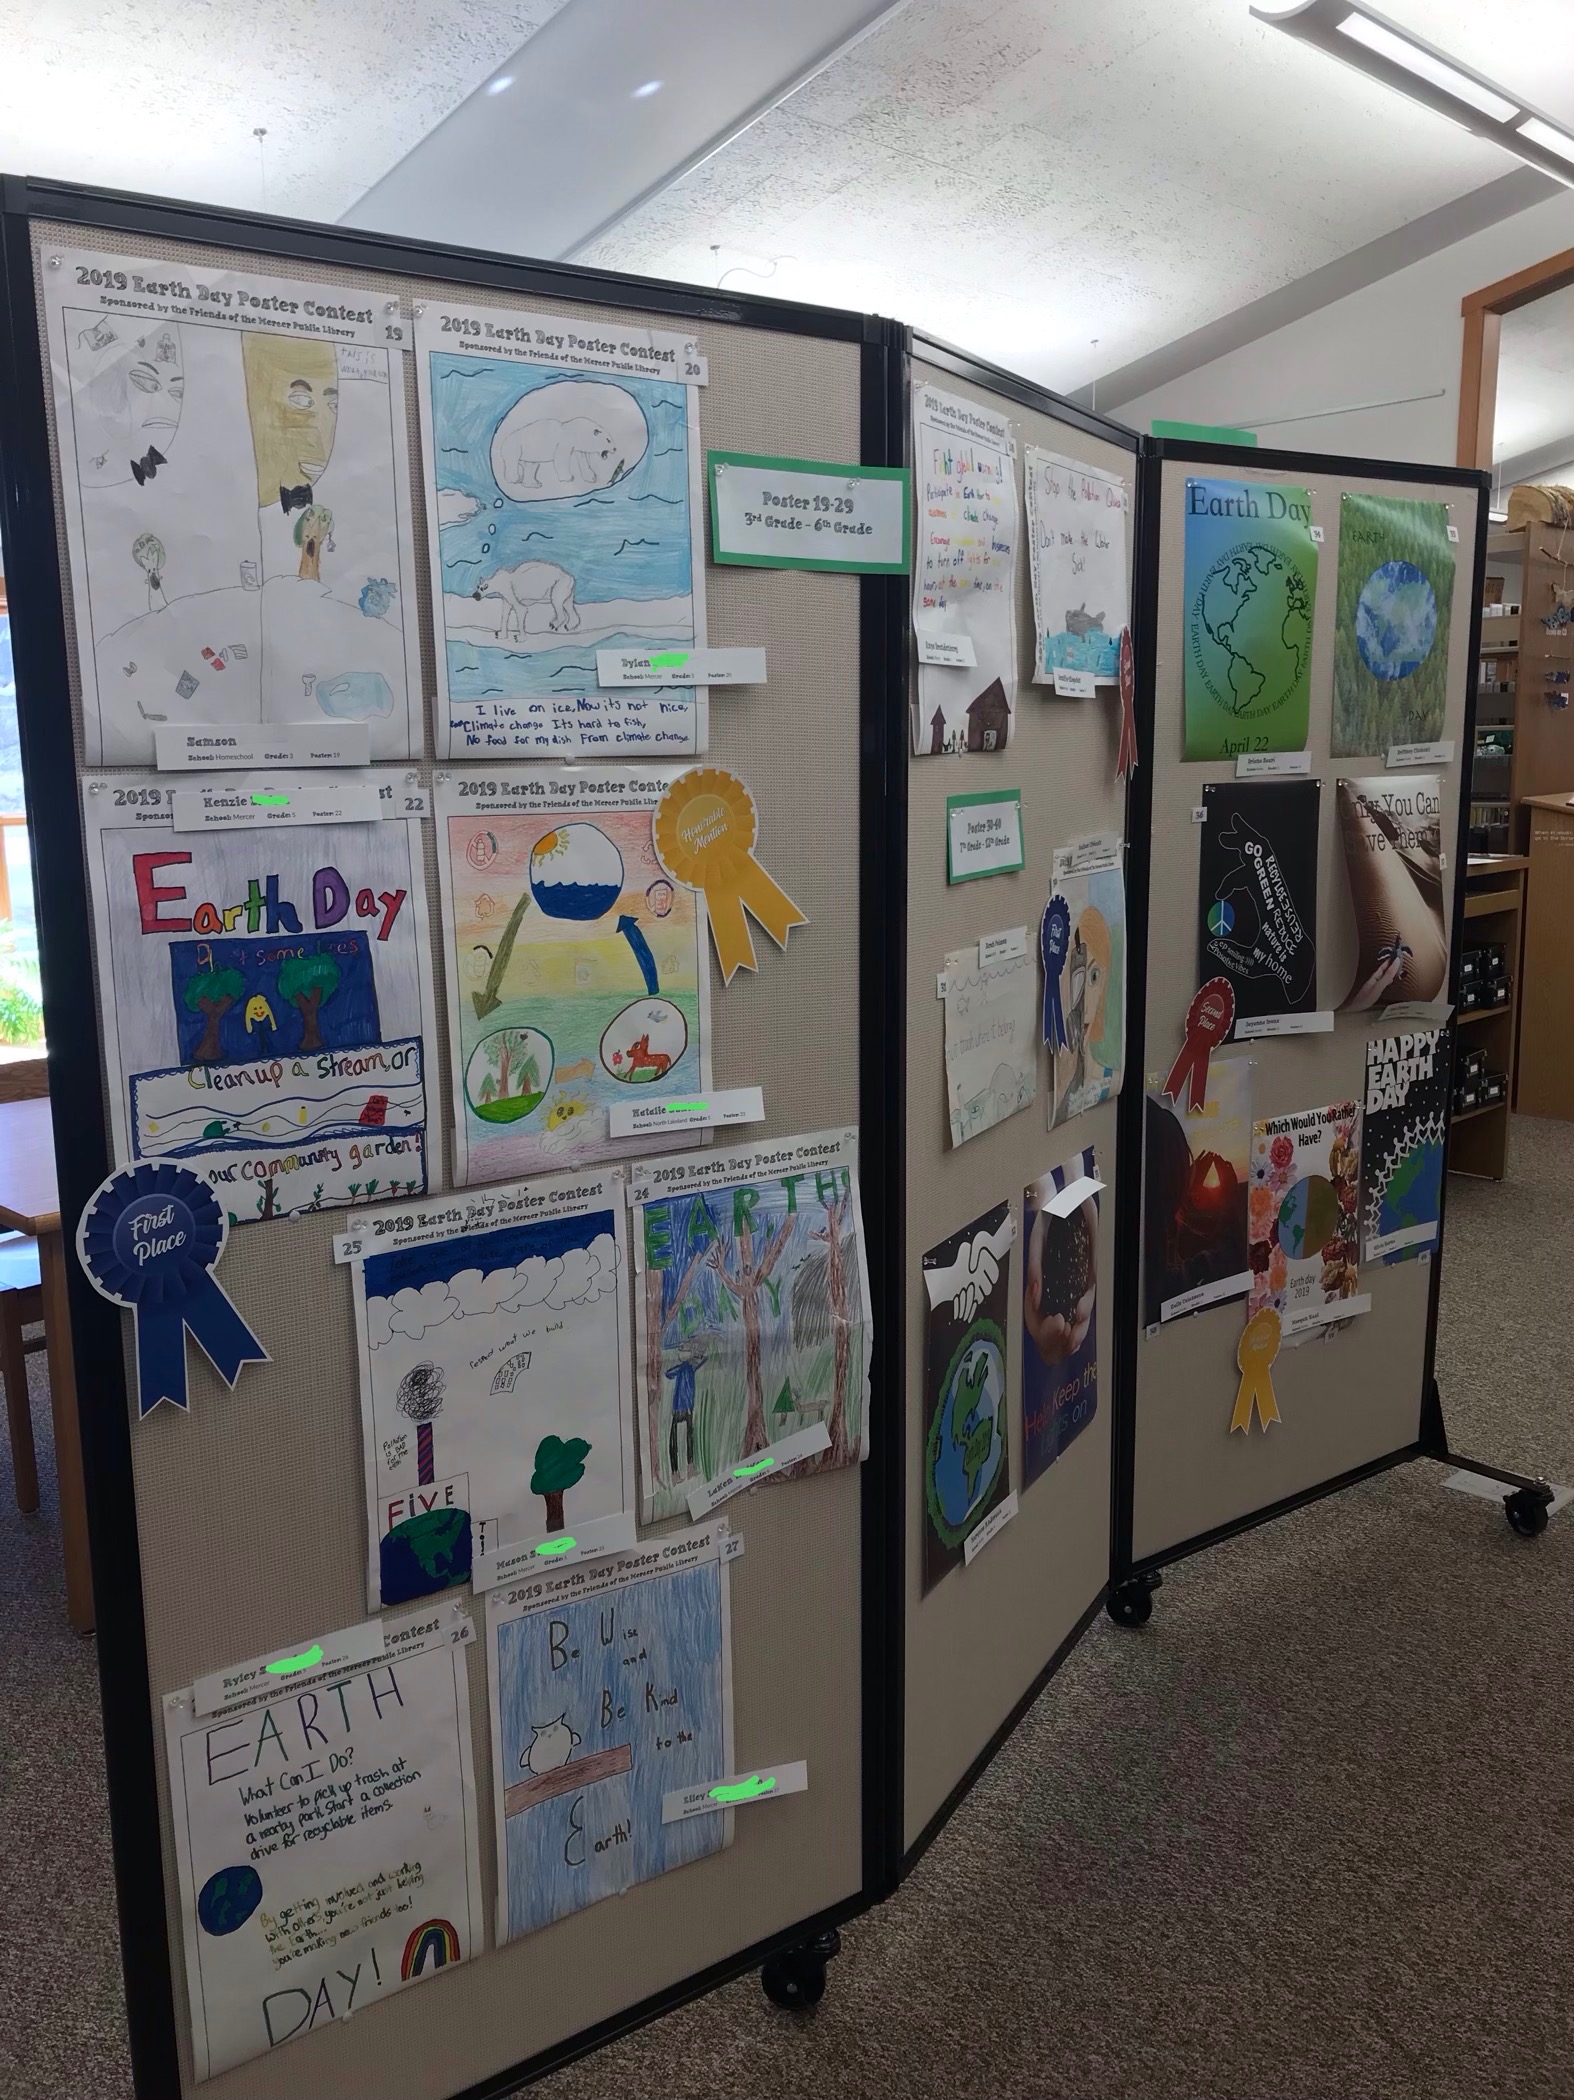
pixel 1257 894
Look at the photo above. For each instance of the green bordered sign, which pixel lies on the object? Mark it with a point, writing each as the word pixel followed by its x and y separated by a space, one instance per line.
pixel 983 834
pixel 768 513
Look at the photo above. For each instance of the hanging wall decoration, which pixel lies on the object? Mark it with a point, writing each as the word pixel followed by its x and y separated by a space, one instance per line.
pixel 1083 944
pixel 1209 1019
pixel 1060 1372
pixel 967 1441
pixel 1395 595
pixel 964 574
pixel 1194 1195
pixel 1303 1217
pixel 1076 521
pixel 1251 585
pixel 707 827
pixel 1257 894
pixel 1254 1356
pixel 1405 1129
pixel 1391 827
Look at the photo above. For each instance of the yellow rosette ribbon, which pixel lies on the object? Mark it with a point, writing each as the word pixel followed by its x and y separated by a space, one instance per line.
pixel 706 826
pixel 1254 1353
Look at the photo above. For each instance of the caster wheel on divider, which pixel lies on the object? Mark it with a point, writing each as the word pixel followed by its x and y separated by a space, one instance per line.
pixel 795 1978
pixel 1526 1512
pixel 1131 1603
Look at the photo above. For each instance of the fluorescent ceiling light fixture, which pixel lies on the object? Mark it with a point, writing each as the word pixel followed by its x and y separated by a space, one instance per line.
pixel 1388 43
pixel 651 87
pixel 497 86
pixel 1548 135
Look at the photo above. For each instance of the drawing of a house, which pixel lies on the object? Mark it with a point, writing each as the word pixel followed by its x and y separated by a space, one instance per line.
pixel 988 718
pixel 937 733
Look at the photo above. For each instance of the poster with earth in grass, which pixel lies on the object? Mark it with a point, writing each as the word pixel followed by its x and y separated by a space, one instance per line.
pixel 577 972
pixel 752 1312
pixel 1395 595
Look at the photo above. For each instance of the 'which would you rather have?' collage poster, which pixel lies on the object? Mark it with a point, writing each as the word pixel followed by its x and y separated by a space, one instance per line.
pixel 1303 1222
pixel 1404 1130
pixel 1395 593
pixel 1257 894
pixel 1251 588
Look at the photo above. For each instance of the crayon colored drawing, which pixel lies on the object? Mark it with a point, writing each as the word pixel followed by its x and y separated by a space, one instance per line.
pixel 752 1328
pixel 240 1000
pixel 508 1074
pixel 967 1437
pixel 605 1704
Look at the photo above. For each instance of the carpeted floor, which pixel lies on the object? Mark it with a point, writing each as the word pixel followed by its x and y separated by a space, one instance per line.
pixel 1304 1836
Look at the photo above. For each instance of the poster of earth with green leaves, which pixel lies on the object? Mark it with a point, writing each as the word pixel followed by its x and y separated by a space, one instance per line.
pixel 1251 588
pixel 1395 595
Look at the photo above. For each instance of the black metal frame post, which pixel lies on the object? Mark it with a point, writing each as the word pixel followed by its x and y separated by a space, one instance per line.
pixel 1133 1578
pixel 35 579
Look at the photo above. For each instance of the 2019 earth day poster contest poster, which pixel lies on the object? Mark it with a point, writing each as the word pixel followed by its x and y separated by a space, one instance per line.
pixel 327 1848
pixel 235 472
pixel 564 479
pixel 577 970
pixel 1395 599
pixel 964 573
pixel 493 1339
pixel 1404 1132
pixel 752 1311
pixel 1077 561
pixel 1194 1182
pixel 1257 893
pixel 1250 592
pixel 267 996
pixel 1060 1371
pixel 967 1442
pixel 611 1687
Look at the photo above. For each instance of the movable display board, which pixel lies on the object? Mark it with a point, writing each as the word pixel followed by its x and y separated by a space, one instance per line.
pixel 299 1541
pixel 1009 1308
pixel 1311 629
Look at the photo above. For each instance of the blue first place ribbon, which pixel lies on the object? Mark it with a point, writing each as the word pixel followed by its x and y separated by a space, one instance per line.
pixel 149 1240
pixel 1054 939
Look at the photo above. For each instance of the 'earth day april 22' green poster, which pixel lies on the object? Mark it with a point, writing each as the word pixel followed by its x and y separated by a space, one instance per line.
pixel 1251 585
pixel 1395 594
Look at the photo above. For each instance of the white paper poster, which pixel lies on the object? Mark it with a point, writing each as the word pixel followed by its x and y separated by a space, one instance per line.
pixel 564 479
pixel 964 571
pixel 1076 526
pixel 577 970
pixel 327 1849
pixel 611 1687
pixel 235 470
pixel 492 1330
pixel 267 995
pixel 991 1040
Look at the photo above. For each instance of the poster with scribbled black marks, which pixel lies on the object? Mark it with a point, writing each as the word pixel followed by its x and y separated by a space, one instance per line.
pixel 1257 894
pixel 967 1442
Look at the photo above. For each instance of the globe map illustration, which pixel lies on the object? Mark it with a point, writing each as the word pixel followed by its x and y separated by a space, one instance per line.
pixel 1395 620
pixel 1252 630
pixel 1308 1217
pixel 1413 1191
pixel 967 1440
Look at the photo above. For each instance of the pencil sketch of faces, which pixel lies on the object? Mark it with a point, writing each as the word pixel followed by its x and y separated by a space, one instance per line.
pixel 127 394
pixel 567 439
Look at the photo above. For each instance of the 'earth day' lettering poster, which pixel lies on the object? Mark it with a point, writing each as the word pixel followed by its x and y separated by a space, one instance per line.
pixel 1395 594
pixel 1251 587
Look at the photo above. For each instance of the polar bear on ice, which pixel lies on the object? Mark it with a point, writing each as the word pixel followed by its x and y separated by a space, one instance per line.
pixel 529 584
pixel 580 453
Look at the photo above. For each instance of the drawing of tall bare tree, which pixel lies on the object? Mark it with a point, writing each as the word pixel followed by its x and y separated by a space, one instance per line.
pixel 659 1310
pixel 836 1217
pixel 745 1287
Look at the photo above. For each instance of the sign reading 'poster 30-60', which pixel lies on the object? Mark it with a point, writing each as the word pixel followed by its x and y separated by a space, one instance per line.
pixel 266 992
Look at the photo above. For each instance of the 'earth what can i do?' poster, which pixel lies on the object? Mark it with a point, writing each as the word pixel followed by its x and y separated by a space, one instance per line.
pixel 1251 587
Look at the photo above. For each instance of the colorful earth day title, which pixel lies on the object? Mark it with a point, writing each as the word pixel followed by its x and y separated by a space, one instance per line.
pixel 262 909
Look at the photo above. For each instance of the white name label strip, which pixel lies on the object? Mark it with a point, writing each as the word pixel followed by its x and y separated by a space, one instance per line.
pixel 1283 1024
pixel 740 1104
pixel 1100 849
pixel 992 1526
pixel 496 1563
pixel 707 1495
pixel 680 667
pixel 1263 765
pixel 1073 1196
pixel 769 1783
pixel 1002 947
pixel 235 809
pixel 953 650
pixel 183 748
pixel 1404 755
pixel 1075 685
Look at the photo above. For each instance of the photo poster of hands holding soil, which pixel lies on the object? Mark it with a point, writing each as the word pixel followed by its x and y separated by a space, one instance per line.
pixel 1059 1315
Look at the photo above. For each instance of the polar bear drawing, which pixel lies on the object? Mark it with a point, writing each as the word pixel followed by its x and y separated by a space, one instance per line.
pixel 580 454
pixel 531 583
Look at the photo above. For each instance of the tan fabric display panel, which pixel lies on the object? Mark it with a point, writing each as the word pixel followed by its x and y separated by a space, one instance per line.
pixel 251 1511
pixel 977 1641
pixel 1349 1398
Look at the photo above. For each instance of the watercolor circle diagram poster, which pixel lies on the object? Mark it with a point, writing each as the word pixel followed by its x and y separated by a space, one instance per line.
pixel 1395 596
pixel 1251 586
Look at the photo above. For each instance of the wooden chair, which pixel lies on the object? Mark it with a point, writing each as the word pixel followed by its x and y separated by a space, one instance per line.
pixel 21 1305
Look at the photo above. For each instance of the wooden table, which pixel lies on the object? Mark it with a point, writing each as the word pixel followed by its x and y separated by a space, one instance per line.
pixel 30 1202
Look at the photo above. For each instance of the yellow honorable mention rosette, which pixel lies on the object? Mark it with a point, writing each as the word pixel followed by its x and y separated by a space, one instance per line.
pixel 1254 1353
pixel 706 826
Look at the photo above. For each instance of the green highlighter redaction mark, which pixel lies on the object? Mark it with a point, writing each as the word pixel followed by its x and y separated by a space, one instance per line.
pixel 749 1789
pixel 669 660
pixel 308 1659
pixel 549 1549
pixel 760 1465
pixel 271 800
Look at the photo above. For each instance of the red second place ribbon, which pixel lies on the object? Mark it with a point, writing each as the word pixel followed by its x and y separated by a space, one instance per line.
pixel 1209 1019
pixel 1126 758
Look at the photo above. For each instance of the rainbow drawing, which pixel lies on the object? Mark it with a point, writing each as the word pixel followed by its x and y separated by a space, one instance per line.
pixel 434 1944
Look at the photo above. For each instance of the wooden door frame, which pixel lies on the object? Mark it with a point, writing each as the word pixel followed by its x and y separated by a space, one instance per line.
pixel 1483 313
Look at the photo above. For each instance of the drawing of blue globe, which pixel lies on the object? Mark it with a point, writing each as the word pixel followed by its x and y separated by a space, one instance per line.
pixel 967 1439
pixel 227 1899
pixel 1414 1190
pixel 1308 1217
pixel 576 872
pixel 1395 620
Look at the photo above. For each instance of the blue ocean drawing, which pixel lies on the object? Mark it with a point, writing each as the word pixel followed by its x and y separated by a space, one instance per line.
pixel 592 495
pixel 628 1684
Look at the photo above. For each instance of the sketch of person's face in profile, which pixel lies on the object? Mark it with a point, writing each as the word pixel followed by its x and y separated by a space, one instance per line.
pixel 292 399
pixel 127 394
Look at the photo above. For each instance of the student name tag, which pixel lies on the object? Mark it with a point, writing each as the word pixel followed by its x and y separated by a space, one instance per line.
pixel 285 1668
pixel 741 1104
pixel 1266 765
pixel 1404 755
pixel 769 1783
pixel 706 1495
pixel 182 747
pixel 1283 1024
pixel 1001 947
pixel 992 1526
pixel 956 651
pixel 494 1563
pixel 616 667
pixel 1075 685
pixel 236 809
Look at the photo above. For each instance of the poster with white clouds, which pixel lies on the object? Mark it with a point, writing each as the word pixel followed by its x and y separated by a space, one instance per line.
pixel 235 474
pixel 495 1374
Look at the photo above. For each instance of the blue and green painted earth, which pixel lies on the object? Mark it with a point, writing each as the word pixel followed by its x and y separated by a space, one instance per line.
pixel 1308 1217
pixel 1395 620
pixel 967 1438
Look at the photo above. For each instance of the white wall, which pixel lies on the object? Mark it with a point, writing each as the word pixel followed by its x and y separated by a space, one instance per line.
pixel 1398 337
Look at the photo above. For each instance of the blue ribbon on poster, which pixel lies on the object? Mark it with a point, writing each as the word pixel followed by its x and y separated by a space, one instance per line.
pixel 149 1240
pixel 1054 939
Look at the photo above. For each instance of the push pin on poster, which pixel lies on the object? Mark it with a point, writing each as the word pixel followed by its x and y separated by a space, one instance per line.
pixel 150 1239
pixel 1209 1019
pixel 1254 1354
